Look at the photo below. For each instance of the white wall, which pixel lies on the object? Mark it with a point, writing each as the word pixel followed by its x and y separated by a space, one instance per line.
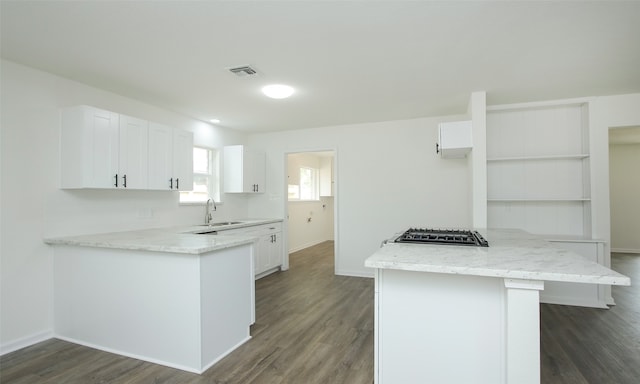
pixel 606 112
pixel 310 223
pixel 33 207
pixel 624 180
pixel 388 177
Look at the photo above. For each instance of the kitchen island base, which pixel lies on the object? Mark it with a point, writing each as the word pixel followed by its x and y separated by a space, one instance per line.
pixel 185 311
pixel 447 328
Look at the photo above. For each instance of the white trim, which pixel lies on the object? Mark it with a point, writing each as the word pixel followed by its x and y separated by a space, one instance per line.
pixel 344 272
pixel 305 246
pixel 24 342
pixel 336 244
pixel 539 104
pixel 625 250
pixel 127 354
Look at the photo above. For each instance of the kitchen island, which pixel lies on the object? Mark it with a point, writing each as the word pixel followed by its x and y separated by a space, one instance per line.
pixel 466 314
pixel 168 296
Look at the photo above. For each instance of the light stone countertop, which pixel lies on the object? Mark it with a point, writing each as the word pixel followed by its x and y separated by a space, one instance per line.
pixel 512 253
pixel 171 240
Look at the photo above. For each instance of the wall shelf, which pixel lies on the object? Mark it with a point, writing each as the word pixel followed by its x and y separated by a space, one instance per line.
pixel 542 200
pixel 538 169
pixel 533 158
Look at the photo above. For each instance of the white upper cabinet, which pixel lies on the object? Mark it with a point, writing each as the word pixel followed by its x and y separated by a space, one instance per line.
pixel 182 162
pixel 244 170
pixel 455 139
pixel 102 149
pixel 170 158
pixel 160 156
pixel 89 148
pixel 132 164
pixel 326 176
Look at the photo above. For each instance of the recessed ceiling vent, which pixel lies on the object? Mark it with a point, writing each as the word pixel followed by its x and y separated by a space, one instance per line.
pixel 243 71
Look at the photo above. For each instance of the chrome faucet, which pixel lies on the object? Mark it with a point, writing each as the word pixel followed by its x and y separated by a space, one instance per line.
pixel 207 212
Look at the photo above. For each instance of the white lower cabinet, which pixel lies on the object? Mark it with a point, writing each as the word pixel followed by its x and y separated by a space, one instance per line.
pixel 268 254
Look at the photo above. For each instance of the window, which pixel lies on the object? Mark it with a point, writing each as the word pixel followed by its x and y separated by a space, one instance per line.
pixel 308 188
pixel 205 177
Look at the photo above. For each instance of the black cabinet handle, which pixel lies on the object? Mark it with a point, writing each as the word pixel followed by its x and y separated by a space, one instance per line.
pixel 437 148
pixel 124 181
pixel 177 183
pixel 171 183
pixel 116 184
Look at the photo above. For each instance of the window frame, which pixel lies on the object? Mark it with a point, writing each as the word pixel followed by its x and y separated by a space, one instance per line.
pixel 315 176
pixel 213 178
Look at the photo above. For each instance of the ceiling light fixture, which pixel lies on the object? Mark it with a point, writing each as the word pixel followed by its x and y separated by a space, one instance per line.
pixel 214 121
pixel 277 91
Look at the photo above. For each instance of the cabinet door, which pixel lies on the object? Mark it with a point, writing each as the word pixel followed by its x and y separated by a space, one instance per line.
pixel 132 167
pixel 262 254
pixel 254 169
pixel 244 170
pixel 232 157
pixel 326 176
pixel 454 139
pixel 102 133
pixel 160 157
pixel 275 251
pixel 182 160
pixel 88 148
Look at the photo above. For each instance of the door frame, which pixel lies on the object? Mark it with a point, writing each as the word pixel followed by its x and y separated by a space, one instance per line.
pixel 285 194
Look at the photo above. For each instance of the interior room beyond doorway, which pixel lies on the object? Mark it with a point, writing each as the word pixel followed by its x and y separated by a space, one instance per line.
pixel 311 193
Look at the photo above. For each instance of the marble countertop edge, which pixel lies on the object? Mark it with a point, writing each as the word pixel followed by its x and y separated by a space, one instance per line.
pixel 513 254
pixel 504 273
pixel 187 239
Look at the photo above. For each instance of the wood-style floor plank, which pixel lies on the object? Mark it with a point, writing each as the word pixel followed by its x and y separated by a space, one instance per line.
pixel 591 346
pixel 315 327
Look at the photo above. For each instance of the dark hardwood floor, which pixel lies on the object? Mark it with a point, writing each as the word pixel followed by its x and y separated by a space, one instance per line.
pixel 315 327
pixel 588 345
pixel 311 327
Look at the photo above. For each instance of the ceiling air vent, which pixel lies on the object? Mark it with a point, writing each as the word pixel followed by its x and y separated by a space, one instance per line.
pixel 242 71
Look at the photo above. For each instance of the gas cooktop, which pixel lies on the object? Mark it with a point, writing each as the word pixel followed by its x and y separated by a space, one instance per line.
pixel 442 236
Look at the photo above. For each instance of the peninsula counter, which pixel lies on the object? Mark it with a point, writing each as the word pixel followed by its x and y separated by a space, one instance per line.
pixel 167 296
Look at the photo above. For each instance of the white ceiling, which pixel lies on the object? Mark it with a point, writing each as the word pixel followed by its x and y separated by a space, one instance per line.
pixel 350 61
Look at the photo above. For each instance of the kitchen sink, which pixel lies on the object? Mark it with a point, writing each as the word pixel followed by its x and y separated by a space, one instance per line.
pixel 221 224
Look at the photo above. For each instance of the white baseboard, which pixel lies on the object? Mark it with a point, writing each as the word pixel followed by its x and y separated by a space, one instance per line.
pixel 625 250
pixel 305 246
pixel 131 355
pixel 25 342
pixel 343 272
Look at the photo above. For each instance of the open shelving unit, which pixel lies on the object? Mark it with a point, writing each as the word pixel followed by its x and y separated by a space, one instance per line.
pixel 538 169
pixel 538 180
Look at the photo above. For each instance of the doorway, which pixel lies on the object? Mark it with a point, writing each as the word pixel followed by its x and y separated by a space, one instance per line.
pixel 311 199
pixel 624 189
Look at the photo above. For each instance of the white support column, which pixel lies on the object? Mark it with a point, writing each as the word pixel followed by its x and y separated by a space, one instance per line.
pixel 523 331
pixel 376 330
pixel 477 159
